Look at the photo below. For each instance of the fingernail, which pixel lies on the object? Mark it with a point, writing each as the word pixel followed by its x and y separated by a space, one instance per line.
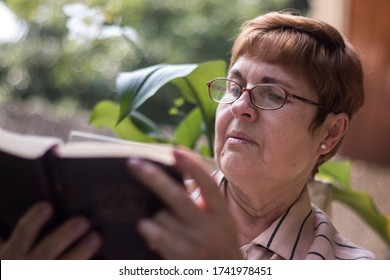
pixel 136 164
pixel 181 156
pixel 178 154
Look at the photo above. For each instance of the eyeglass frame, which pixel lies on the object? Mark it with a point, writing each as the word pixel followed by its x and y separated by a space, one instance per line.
pixel 249 90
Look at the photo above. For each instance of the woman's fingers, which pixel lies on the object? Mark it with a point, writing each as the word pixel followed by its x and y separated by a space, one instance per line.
pixel 170 191
pixel 85 248
pixel 185 230
pixel 29 226
pixel 23 242
pixel 169 243
pixel 156 236
pixel 61 238
pixel 193 166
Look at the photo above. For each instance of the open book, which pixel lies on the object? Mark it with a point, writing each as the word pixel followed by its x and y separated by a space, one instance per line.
pixel 88 177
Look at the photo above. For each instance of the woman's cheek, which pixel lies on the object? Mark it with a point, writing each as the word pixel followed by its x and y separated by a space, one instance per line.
pixel 218 146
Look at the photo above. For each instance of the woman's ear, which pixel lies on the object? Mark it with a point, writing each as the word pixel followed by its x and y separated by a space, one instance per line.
pixel 336 125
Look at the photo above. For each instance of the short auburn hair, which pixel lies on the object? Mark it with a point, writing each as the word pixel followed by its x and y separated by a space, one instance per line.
pixel 316 49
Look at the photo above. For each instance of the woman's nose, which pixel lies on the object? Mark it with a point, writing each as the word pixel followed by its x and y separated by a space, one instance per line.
pixel 243 108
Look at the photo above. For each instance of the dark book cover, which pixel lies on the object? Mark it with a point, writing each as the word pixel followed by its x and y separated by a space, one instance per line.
pixel 23 182
pixel 104 190
pixel 99 187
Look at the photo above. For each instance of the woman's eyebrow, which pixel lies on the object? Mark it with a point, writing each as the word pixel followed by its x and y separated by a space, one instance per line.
pixel 264 80
pixel 271 80
pixel 235 72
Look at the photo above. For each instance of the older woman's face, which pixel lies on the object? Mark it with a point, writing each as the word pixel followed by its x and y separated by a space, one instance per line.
pixel 274 147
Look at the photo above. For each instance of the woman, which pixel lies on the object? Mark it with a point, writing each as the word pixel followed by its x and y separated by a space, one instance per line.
pixel 292 88
pixel 293 85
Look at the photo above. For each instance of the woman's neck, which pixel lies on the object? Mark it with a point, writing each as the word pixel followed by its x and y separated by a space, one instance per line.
pixel 254 213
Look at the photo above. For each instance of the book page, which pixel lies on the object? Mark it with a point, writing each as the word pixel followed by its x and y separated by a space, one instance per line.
pixel 161 153
pixel 82 136
pixel 86 144
pixel 27 146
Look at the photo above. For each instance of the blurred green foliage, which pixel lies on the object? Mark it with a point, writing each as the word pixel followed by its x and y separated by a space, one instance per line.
pixel 47 63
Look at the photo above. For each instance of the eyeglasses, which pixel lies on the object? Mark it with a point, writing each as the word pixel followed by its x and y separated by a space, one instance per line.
pixel 263 96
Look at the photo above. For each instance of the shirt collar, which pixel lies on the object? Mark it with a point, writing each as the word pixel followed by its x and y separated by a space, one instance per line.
pixel 291 234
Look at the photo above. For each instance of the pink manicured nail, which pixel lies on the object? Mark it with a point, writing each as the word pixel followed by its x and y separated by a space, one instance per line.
pixel 179 155
pixel 136 164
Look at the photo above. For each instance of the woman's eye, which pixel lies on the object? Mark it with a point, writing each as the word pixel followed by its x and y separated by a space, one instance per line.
pixel 275 97
pixel 234 90
pixel 268 96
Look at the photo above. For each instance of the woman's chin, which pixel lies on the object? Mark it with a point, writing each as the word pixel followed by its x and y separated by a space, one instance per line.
pixel 233 161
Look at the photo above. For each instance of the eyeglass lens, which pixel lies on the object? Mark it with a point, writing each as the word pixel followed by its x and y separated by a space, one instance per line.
pixel 263 96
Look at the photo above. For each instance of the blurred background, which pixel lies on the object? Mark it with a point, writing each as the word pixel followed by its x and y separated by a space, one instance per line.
pixel 59 58
pixel 70 52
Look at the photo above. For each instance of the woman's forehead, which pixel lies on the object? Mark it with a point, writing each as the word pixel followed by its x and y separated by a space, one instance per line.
pixel 257 71
pixel 245 66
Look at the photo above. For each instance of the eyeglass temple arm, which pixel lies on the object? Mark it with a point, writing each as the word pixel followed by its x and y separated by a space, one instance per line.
pixel 307 101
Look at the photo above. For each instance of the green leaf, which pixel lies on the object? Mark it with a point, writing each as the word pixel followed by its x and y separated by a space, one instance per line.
pixel 364 206
pixel 146 125
pixel 178 102
pixel 205 151
pixel 134 88
pixel 338 174
pixel 337 171
pixel 105 114
pixel 194 86
pixel 189 130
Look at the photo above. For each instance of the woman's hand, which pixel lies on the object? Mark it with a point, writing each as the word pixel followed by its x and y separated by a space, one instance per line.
pixel 57 244
pixel 187 229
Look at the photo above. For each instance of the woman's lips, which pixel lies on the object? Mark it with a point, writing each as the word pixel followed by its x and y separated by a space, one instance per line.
pixel 239 138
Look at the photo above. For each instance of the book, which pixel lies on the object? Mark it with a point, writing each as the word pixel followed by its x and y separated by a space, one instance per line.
pixel 88 178
pixel 82 136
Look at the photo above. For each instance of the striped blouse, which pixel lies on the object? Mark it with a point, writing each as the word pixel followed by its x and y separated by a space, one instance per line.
pixel 303 232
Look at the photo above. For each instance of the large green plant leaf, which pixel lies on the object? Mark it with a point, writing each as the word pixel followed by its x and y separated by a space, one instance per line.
pixel 337 173
pixel 194 86
pixel 188 131
pixel 195 91
pixel 363 205
pixel 134 88
pixel 105 114
pixel 147 126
